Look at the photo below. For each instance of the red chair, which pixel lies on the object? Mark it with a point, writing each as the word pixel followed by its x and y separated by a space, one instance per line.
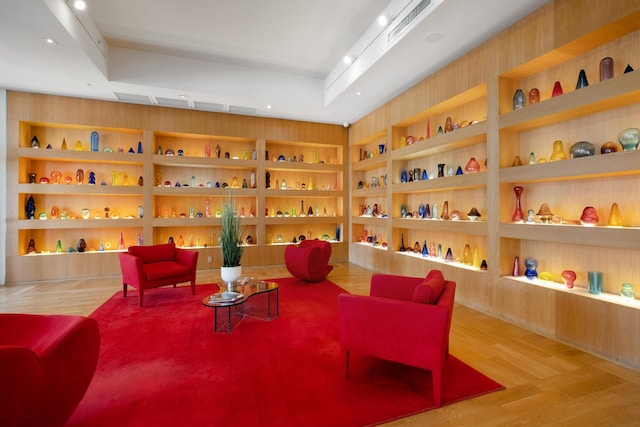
pixel 404 320
pixel 46 365
pixel 309 260
pixel 147 267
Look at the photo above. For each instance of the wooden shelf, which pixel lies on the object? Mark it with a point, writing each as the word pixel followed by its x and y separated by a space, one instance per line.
pixel 380 190
pixel 69 224
pixel 612 164
pixel 204 162
pixel 79 156
pixel 601 96
pixel 461 226
pixel 604 237
pixel 272 192
pixel 456 182
pixel 196 222
pixel 463 137
pixel 75 189
pixel 303 167
pixel 375 162
pixel 370 220
pixel 303 220
pixel 204 191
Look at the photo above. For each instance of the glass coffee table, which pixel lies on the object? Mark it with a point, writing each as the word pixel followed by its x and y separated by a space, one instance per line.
pixel 246 297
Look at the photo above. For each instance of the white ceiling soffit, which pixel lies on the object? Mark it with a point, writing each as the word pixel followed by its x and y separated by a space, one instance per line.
pixel 165 52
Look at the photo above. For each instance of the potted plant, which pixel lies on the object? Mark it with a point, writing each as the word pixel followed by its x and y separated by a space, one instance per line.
pixel 231 230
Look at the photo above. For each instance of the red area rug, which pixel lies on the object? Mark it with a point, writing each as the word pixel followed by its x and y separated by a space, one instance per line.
pixel 162 365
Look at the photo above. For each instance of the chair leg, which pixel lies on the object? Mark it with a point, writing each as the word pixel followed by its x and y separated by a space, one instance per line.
pixel 124 289
pixel 141 296
pixel 436 375
pixel 193 287
pixel 346 367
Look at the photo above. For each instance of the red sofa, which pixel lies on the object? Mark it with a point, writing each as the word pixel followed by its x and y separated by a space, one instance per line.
pixel 148 267
pixel 309 260
pixel 46 365
pixel 405 320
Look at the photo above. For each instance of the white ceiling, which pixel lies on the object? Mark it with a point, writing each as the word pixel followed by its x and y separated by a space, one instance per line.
pixel 241 55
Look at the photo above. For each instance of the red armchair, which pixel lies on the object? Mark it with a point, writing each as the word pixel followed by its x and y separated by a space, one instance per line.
pixel 309 260
pixel 46 365
pixel 147 267
pixel 405 320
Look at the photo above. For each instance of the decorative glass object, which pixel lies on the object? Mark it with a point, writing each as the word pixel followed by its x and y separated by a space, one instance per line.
pixel 63 146
pixel 449 256
pixel 596 282
pixel 30 208
pixel 629 139
pixel 218 150
pixel 532 158
pixel 518 215
pixel 32 177
pixel 472 166
pixel 59 246
pixel 582 80
pixel 448 125
pixel 114 178
pixel 34 142
pixel 558 151
pixel 80 176
pixel 402 247
pixel 569 277
pixel 582 149
pixel 609 147
pixel 515 272
pixel 606 68
pixel 55 212
pixel 474 214
pixel 615 219
pixel 589 217
pixel 78 145
pixel 82 245
pixel 544 213
pixel 628 69
pixel 445 210
pixel 516 161
pixel 467 257
pixel 86 213
pixel 518 99
pixel 531 265
pixel 534 96
pixel 441 170
pixel 557 89
pixel 55 177
pixel 627 292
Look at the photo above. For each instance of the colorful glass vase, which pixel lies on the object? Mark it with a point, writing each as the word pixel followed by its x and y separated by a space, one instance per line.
pixel 629 139
pixel 558 151
pixel 589 217
pixel 518 215
pixel 582 80
pixel 534 96
pixel 582 149
pixel 615 218
pixel 609 147
pixel 518 100
pixel 472 166
pixel 569 277
pixel 557 90
pixel 531 265
pixel 606 68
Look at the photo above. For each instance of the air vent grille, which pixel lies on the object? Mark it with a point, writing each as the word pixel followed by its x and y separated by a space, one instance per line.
pixel 246 111
pixel 209 106
pixel 170 102
pixel 130 97
pixel 420 7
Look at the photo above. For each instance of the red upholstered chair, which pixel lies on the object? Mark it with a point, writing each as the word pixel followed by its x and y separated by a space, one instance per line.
pixel 309 260
pixel 405 320
pixel 147 267
pixel 46 365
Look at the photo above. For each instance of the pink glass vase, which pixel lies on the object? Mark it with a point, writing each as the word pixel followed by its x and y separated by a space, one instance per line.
pixel 518 215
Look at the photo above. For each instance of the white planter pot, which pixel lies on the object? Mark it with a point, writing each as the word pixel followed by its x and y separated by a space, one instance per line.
pixel 230 275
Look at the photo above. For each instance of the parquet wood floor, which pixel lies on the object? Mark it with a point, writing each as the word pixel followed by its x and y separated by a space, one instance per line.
pixel 547 382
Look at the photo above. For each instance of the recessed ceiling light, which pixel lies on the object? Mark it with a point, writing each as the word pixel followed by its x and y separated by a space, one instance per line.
pixel 358 93
pixel 269 107
pixel 347 59
pixel 383 20
pixel 182 96
pixel 49 40
pixel 79 4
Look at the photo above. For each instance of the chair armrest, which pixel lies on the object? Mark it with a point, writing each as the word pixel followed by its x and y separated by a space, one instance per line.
pixel 389 329
pixel 392 286
pixel 132 272
pixel 187 257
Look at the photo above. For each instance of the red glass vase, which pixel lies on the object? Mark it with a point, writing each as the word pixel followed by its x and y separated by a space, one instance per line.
pixel 518 215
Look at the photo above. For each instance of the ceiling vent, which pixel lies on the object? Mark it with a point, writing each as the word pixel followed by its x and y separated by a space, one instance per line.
pixel 130 97
pixel 170 102
pixel 411 16
pixel 209 106
pixel 246 111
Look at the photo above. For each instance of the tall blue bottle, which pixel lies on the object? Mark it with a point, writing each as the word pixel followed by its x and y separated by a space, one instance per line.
pixel 95 141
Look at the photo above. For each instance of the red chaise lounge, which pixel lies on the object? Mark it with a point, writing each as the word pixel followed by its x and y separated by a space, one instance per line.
pixel 309 260
pixel 148 267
